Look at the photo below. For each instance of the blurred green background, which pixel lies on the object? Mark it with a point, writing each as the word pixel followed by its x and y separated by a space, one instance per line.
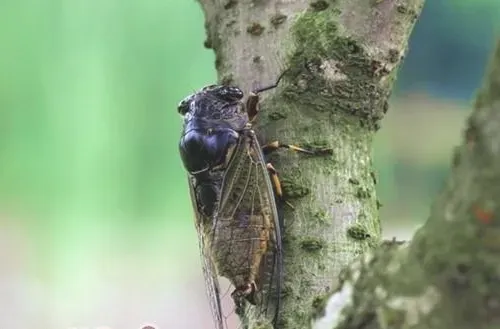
pixel 95 222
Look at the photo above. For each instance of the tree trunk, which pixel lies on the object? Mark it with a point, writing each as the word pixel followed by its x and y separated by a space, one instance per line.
pixel 448 277
pixel 341 59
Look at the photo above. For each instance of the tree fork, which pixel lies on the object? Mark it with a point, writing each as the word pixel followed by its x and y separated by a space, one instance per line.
pixel 341 59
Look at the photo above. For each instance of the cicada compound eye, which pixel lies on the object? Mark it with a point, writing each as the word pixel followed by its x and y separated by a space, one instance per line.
pixel 183 106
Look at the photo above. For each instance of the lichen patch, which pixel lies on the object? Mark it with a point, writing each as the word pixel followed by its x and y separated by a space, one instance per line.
pixel 331 72
pixel 334 308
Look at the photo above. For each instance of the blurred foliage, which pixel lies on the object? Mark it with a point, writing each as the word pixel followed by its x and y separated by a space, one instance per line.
pixel 89 163
pixel 490 8
pixel 449 47
pixel 412 154
pixel 90 179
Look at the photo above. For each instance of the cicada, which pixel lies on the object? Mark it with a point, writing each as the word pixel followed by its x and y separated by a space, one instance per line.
pixel 236 196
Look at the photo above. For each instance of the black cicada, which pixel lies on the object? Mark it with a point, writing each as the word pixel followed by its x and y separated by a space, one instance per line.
pixel 234 201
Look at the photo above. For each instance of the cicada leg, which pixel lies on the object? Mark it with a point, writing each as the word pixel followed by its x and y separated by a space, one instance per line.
pixel 277 183
pixel 273 146
pixel 252 104
pixel 242 294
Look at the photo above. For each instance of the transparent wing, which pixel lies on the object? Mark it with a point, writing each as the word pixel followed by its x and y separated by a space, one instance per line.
pixel 246 234
pixel 209 271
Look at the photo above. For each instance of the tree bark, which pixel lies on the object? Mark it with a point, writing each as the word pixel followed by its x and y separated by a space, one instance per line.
pixel 341 58
pixel 449 275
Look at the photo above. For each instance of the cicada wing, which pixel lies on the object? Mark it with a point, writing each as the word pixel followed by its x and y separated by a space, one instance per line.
pixel 248 200
pixel 212 284
pixel 271 270
pixel 209 271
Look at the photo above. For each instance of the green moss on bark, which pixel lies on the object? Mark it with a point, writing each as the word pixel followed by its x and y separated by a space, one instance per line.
pixel 332 72
pixel 320 215
pixel 293 189
pixel 358 232
pixel 230 4
pixel 319 5
pixel 353 181
pixel 276 116
pixel 278 19
pixel 255 29
pixel 362 193
pixel 318 305
pixel 312 244
pixel 262 326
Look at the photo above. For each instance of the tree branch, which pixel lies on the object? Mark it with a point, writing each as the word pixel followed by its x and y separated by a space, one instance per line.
pixel 341 59
pixel 449 275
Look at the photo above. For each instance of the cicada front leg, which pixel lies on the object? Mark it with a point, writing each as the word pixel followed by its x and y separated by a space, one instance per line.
pixel 277 183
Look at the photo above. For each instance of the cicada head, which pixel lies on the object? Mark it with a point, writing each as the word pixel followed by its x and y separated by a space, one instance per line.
pixel 213 102
pixel 213 116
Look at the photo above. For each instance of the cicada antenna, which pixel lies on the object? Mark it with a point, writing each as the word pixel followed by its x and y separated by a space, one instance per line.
pixel 274 85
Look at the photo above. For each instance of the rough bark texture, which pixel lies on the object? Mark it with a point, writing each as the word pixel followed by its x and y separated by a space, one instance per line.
pixel 341 58
pixel 448 277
